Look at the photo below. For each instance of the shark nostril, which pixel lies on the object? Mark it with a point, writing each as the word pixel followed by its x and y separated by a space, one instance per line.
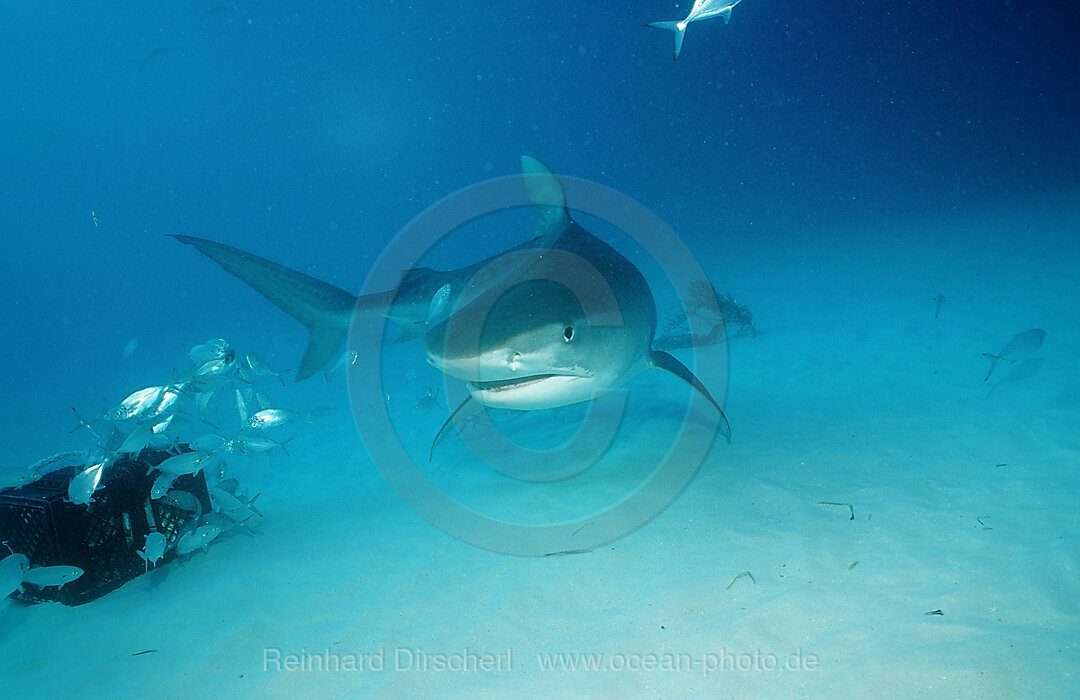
pixel 514 361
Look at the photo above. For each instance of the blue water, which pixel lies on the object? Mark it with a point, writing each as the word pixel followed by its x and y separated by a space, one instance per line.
pixel 834 166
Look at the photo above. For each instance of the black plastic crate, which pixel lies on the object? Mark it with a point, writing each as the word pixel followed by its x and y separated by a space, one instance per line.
pixel 103 538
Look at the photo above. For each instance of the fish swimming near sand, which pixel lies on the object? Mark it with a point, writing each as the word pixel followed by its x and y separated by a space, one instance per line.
pixel 153 549
pixel 1022 346
pixel 45 576
pixel 517 338
pixel 13 569
pixel 198 538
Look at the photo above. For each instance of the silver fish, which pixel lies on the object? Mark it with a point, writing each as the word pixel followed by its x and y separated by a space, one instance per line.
pixel 137 440
pixel 1022 346
pixel 169 397
pixel 244 373
pixel 207 443
pixel 161 439
pixel 82 486
pixel 236 508
pixel 260 367
pixel 137 403
pixel 161 427
pixel 438 305
pixel 230 485
pixel 262 400
pixel 12 570
pixel 184 500
pixel 260 444
pixel 427 401
pixel 100 427
pixel 220 366
pixel 318 412
pixel 154 548
pixel 162 484
pixel 213 349
pixel 186 463
pixel 202 401
pixel 44 576
pixel 198 538
pixel 227 522
pixel 270 418
pixel 241 407
pixel 209 383
pixel 349 357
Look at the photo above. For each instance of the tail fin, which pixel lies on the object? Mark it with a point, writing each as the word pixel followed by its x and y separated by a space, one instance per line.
pixel 668 363
pixel 993 363
pixel 680 31
pixel 323 308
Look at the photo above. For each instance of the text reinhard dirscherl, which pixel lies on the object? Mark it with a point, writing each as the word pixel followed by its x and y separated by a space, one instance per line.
pixel 468 660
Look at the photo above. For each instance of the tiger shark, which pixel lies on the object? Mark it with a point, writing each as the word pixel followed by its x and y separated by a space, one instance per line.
pixel 702 9
pixel 559 319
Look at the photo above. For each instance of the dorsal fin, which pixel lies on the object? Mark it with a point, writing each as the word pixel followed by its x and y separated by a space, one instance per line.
pixel 547 195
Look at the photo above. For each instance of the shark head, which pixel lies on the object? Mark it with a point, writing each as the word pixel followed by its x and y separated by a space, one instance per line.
pixel 534 346
pixel 570 320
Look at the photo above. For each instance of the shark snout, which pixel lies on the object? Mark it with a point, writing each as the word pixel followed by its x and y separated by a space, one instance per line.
pixel 497 365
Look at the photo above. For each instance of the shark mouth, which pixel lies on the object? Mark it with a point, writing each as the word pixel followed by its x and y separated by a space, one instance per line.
pixel 514 383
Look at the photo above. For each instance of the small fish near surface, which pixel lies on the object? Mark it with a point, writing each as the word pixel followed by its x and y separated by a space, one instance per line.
pixel 1021 347
pixel 702 9
pixel 45 576
pixel 939 301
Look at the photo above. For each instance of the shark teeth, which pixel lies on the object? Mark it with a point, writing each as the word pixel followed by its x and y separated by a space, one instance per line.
pixel 504 384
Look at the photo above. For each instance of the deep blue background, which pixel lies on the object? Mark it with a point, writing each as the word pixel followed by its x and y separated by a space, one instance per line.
pixel 311 132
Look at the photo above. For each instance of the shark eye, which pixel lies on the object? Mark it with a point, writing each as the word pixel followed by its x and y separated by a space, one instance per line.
pixel 568 333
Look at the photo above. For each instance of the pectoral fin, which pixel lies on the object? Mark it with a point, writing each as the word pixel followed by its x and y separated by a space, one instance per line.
pixel 668 363
pixel 463 412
